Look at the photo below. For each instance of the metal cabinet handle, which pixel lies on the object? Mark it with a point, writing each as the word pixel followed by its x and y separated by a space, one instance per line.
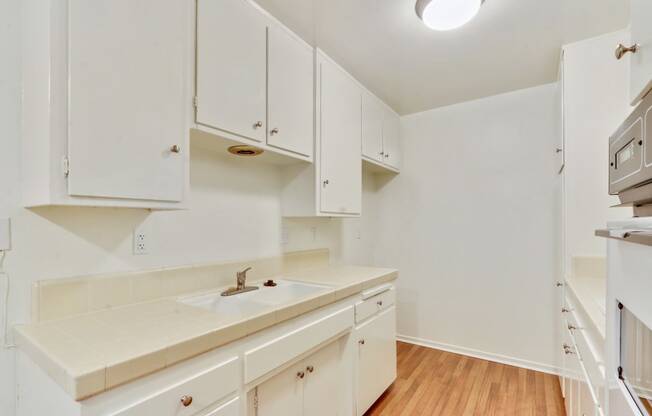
pixel 571 327
pixel 186 400
pixel 565 310
pixel 558 150
pixel 273 131
pixel 621 50
pixel 559 284
pixel 361 342
pixel 258 124
pixel 310 369
pixel 175 149
pixel 301 374
pixel 386 155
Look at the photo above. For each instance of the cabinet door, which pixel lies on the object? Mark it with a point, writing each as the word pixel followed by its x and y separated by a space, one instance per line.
pixel 127 98
pixel 282 394
pixel 340 142
pixel 376 358
pixel 290 93
pixel 372 127
pixel 587 406
pixel 232 67
pixel 321 393
pixel 391 139
pixel 641 61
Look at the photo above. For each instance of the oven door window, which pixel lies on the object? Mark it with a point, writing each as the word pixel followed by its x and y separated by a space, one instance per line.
pixel 636 359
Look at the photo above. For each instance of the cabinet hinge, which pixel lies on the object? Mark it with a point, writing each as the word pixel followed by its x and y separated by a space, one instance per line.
pixel 65 166
pixel 195 101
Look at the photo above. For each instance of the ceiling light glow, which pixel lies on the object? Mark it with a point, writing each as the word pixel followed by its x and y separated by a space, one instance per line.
pixel 447 14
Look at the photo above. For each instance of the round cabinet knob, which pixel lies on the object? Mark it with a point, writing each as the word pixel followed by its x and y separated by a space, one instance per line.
pixel 559 284
pixel 326 182
pixel 186 400
pixel 301 374
pixel 175 149
pixel 571 327
pixel 273 131
pixel 386 155
pixel 621 50
pixel 379 303
pixel 310 369
pixel 258 124
pixel 361 342
pixel 558 150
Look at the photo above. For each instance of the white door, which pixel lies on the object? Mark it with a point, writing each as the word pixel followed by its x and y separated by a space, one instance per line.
pixel 283 393
pixel 392 139
pixel 376 358
pixel 372 127
pixel 340 144
pixel 321 385
pixel 290 92
pixel 641 61
pixel 127 98
pixel 232 67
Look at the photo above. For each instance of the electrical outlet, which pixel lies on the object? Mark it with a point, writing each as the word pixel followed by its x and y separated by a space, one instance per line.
pixel 5 234
pixel 140 241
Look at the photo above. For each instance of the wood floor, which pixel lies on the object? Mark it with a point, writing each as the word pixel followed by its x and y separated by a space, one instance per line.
pixel 433 382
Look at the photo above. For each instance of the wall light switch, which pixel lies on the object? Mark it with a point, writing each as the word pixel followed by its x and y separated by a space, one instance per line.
pixel 5 234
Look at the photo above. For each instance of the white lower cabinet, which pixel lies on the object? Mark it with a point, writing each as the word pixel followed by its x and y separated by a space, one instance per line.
pixel 308 388
pixel 376 361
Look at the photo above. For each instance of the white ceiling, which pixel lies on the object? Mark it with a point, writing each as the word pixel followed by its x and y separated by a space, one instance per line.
pixel 511 44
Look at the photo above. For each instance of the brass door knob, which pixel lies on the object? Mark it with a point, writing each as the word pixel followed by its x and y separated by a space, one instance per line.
pixel 310 369
pixel 621 50
pixel 175 149
pixel 301 374
pixel 186 400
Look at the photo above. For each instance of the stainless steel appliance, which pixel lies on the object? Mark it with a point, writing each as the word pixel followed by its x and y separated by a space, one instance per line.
pixel 630 157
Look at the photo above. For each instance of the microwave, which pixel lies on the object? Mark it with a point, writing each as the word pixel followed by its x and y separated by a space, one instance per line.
pixel 630 157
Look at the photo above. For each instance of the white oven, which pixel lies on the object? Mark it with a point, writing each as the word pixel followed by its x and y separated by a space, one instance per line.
pixel 629 317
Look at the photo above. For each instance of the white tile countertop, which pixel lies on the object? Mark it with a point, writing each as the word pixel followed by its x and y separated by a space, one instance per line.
pixel 93 352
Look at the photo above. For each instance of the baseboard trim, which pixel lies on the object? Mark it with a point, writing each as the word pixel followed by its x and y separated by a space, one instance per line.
pixel 469 352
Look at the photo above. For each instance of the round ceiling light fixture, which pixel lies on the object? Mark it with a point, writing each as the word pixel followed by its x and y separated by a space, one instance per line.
pixel 447 14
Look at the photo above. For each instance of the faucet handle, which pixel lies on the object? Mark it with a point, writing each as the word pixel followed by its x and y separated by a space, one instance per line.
pixel 243 273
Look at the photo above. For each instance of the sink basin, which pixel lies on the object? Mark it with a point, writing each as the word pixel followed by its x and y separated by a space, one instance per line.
pixel 256 301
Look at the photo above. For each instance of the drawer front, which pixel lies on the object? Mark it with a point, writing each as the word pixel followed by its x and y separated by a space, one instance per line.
pixel 229 408
pixel 374 304
pixel 591 365
pixel 205 388
pixel 279 351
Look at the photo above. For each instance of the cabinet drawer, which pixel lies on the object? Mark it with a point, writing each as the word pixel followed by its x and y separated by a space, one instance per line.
pixel 374 304
pixel 229 408
pixel 590 363
pixel 279 351
pixel 205 388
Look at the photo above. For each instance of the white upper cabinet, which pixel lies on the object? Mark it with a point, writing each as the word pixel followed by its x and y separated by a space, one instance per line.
pixel 641 60
pixel 290 92
pixel 231 67
pixel 106 102
pixel 380 132
pixel 255 79
pixel 372 127
pixel 339 139
pixel 391 139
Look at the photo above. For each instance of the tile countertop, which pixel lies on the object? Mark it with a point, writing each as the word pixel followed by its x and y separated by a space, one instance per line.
pixel 95 352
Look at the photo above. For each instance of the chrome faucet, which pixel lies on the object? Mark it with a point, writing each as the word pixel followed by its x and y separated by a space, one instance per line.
pixel 240 284
pixel 241 278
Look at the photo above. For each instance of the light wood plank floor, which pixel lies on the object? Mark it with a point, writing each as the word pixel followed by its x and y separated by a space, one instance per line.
pixel 434 382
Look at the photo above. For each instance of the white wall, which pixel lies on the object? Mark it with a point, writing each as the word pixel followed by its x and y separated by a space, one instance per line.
pixel 470 223
pixel 596 102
